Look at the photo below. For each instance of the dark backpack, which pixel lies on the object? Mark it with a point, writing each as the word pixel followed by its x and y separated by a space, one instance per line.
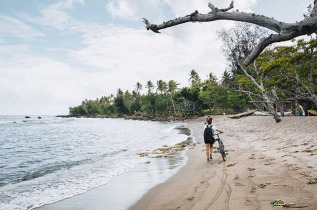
pixel 209 134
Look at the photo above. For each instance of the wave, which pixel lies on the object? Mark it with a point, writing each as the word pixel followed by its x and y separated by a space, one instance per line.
pixel 49 169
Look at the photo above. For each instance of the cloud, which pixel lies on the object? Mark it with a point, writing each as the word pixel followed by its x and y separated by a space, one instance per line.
pixel 11 27
pixel 137 54
pixel 120 9
pixel 34 84
pixel 109 56
pixel 54 15
pixel 137 9
pixel 66 4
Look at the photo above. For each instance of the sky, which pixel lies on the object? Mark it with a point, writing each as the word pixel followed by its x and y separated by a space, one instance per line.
pixel 56 53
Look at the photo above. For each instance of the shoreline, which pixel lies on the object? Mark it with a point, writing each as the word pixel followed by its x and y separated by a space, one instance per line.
pixel 134 183
pixel 157 118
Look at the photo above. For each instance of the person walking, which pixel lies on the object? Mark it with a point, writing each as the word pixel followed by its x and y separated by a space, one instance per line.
pixel 209 137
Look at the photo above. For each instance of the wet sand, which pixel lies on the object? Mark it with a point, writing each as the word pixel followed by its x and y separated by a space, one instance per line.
pixel 266 162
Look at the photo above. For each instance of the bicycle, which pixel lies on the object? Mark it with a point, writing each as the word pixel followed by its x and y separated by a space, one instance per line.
pixel 221 147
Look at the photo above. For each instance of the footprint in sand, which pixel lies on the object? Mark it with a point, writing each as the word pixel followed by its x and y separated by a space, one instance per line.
pixel 190 198
pixel 248 203
pixel 253 190
pixel 239 184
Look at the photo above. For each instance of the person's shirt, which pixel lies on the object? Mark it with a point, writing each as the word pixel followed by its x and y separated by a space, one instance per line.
pixel 214 128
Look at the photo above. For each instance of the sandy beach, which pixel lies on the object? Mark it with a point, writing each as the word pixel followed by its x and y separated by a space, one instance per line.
pixel 266 162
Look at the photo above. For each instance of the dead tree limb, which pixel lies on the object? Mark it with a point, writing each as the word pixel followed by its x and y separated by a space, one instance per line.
pixel 284 31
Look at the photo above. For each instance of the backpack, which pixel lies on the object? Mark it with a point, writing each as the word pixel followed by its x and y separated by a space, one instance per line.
pixel 209 134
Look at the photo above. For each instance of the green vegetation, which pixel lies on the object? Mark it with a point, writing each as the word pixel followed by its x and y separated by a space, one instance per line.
pixel 168 100
pixel 278 73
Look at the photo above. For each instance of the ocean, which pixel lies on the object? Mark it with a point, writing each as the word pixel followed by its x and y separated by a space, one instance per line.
pixel 46 160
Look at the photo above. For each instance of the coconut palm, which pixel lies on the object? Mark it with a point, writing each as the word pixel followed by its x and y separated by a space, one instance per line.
pixel 194 77
pixel 138 87
pixel 149 86
pixel 172 87
pixel 161 86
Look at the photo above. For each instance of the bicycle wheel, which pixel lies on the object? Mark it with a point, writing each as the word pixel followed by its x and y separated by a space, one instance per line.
pixel 222 150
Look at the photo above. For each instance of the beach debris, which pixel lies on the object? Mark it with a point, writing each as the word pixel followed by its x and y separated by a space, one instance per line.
pixel 286 155
pixel 190 198
pixel 280 185
pixel 239 184
pixel 314 181
pixel 164 145
pixel 236 177
pixel 147 162
pixel 305 173
pixel 231 164
pixel 280 203
pixel 244 114
pixel 165 150
pixel 143 154
pixel 198 142
pixel 309 150
pixel 157 156
pixel 264 185
pixel 252 157
pixel 250 176
pixel 193 144
pixel 251 169
pixel 227 150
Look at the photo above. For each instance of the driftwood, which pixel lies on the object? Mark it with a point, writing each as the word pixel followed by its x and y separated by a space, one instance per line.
pixel 284 31
pixel 244 114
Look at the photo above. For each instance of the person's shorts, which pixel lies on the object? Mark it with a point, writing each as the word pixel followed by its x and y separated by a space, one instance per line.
pixel 211 142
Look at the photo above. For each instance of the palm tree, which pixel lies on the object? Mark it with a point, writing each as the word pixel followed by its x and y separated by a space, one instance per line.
pixel 119 92
pixel 161 86
pixel 149 86
pixel 138 87
pixel 194 77
pixel 211 79
pixel 172 87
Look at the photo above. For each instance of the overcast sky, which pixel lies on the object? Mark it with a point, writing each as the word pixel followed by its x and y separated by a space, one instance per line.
pixel 56 53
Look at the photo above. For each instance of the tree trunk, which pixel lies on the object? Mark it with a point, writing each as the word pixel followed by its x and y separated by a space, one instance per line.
pixel 173 104
pixel 278 102
pixel 270 107
pixel 296 107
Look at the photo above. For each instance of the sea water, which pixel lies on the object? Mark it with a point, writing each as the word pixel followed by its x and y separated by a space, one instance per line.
pixel 50 159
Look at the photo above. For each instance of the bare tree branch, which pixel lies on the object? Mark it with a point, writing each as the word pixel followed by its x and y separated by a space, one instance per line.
pixel 250 77
pixel 215 9
pixel 285 31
